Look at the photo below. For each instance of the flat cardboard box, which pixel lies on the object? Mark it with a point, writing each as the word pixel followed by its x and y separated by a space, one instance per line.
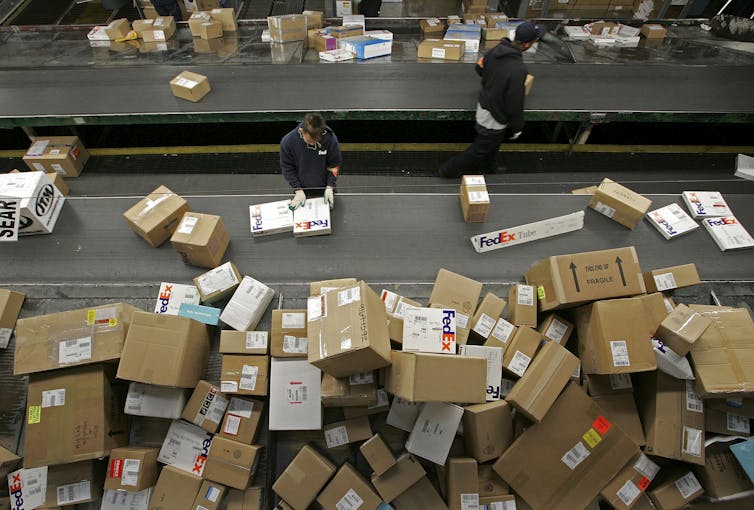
pixel 63 155
pixel 190 86
pixel 682 328
pixel 131 469
pixel 475 201
pixel 523 306
pixel 676 492
pixel 242 421
pixel 348 431
pixel 247 305
pixel 206 407
pixel 625 490
pixel 33 196
pixel 347 331
pixel 244 375
pixel 303 479
pixel 73 415
pixel 156 217
pixel 155 401
pixel 429 330
pixel 152 339
pixel 172 295
pixel 244 342
pixel 434 431
pixel 317 288
pixel 348 489
pixel 71 484
pixel 250 499
pixel 118 29
pixel 485 318
pixel 621 408
pixel 456 291
pixel 669 278
pixel 218 283
pixel 441 49
pixel 377 454
pixel 10 306
pixel 420 496
pixel 358 390
pixel 548 374
pixel 463 483
pixel 556 329
pixel 722 475
pixel 399 478
pixel 209 497
pixel 201 239
pixel 295 395
pixel 226 16
pixel 287 28
pixel 421 377
pixel 597 385
pixel 520 350
pixel 312 218
pixel 175 489
pixel 672 416
pixel 231 463
pixel 494 357
pixel 726 423
pixel 564 461
pixel 288 334
pixel 487 430
pixel 595 275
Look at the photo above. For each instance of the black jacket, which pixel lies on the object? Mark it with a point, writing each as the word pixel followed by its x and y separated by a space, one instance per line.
pixel 309 166
pixel 503 75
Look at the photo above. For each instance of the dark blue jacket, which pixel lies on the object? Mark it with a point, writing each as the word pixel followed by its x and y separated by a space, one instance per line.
pixel 306 166
pixel 503 77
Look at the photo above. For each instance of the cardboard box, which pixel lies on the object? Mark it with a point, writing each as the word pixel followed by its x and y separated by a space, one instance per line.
pixel 196 20
pixel 378 454
pixel 487 430
pixel 31 204
pixel 73 415
pixel 365 47
pixel 231 463
pixel 173 295
pixel 162 28
pixel 10 306
pixel 469 34
pixel 320 41
pixel 118 29
pixel 672 416
pixel 429 330
pixel 201 239
pixel 294 395
pixel 63 155
pixel 218 283
pixel 625 490
pixel 185 447
pixel 621 408
pixel 347 331
pixel 676 492
pixel 211 30
pixel 155 401
pixel 303 479
pixel 289 334
pixel 682 328
pixel 421 377
pixel 548 374
pixel 69 484
pixel 653 31
pixel 317 288
pixel 250 499
pixel 399 478
pixel 722 476
pixel 396 317
pixel 566 459
pixel 475 201
pixel 122 500
pixel 59 182
pixel 491 486
pixel 358 390
pixel 206 408
pixel 272 217
pixel 520 350
pixel 226 16
pixel 131 469
pixel 434 27
pixel 209 497
pixel 619 203
pixel 456 291
pixel 314 19
pixel 287 28
pixel 190 86
pixel 248 304
pixel 175 489
pixel 669 278
pixel 486 316
pixel 728 233
pixel 523 306
pixel 244 342
pixel 726 423
pixel 403 414
pixel 348 431
pixel 242 421
pixel 494 357
pixel 244 375
pixel 739 406
pixel 348 489
pixel 434 431
pixel 312 218
pixel 463 484
pixel 156 217
pixel 8 462
pixel 420 496
pixel 154 338
pixel 441 49
pixel 556 329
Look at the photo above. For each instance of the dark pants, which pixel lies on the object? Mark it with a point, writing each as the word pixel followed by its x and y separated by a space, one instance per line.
pixel 168 8
pixel 479 157
pixel 370 8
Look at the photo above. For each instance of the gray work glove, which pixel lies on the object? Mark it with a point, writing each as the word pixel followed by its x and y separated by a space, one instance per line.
pixel 298 200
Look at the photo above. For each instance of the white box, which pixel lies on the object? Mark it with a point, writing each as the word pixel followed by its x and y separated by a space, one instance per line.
pixel 434 431
pixel 706 204
pixel 173 295
pixel 403 414
pixel 429 330
pixel 248 304
pixel 124 500
pixel 98 33
pixel 186 447
pixel 577 33
pixel 39 202
pixel 312 219
pixel 671 221
pixel 32 484
pixel 354 20
pixel 338 55
pixel 295 401
pixel 494 356
pixel 728 233
pixel 366 47
pixel 530 232
pixel 156 401
pixel 270 218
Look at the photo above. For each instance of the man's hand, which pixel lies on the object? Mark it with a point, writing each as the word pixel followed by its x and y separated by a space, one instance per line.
pixel 330 197
pixel 298 200
pixel 515 135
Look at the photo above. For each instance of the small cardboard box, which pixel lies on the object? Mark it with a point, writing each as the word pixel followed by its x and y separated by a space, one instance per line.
pixel 201 239
pixel 31 204
pixel 244 342
pixel 403 414
pixel 486 316
pixel 619 203
pixel 475 201
pixel 399 478
pixel 244 375
pixel 63 155
pixel 175 489
pixel 218 283
pixel 209 497
pixel 434 431
pixel 226 16
pixel 487 429
pixel 131 469
pixel 523 306
pixel 190 86
pixel 247 305
pixel 231 463
pixel 348 488
pixel 520 350
pixel 669 278
pixel 441 49
pixel 312 219
pixel 653 31
pixel 624 491
pixel 211 29
pixel 155 401
pixel 118 29
pixel 10 306
pixel 163 28
pixel 289 334
pixel 242 420
pixel 173 295
pixel 358 390
pixel 156 217
pixel 556 329
pixel 676 491
pixel 420 496
pixel 295 402
pixel 206 407
pixel 152 339
pixel 320 41
pixel 682 328
pixel 71 484
pixel 304 478
pixel 314 19
pixel 195 21
pixel 348 431
pixel 528 84
pixel 432 26
pixel 287 28
pixel 456 291
pixel 378 454
pixel 271 217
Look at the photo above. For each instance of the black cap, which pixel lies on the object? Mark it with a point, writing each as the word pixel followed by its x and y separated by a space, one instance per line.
pixel 529 32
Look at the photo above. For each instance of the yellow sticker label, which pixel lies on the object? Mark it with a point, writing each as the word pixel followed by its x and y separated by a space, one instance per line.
pixel 91 317
pixel 592 438
pixel 541 292
pixel 113 322
pixel 35 414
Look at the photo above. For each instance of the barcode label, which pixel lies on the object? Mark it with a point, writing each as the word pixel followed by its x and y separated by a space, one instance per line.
pixel 212 494
pixel 316 307
pixel 484 325
pixel 361 378
pixel 519 363
pixel 382 400
pixel 294 320
pixel 500 505
pixel 229 386
pixel 348 296
pixel 216 409
pixel 256 340
pixel 462 320
pixel 665 281
pixel 232 424
pixel 469 501
pixel 181 82
pixel 646 467
pixel 692 441
pixel 220 278
pixel 389 298
pixel 556 330
pixel 693 400
pixel 628 493
pixel 294 345
pixel 130 472
pixel 248 378
pixel 187 224
pixel 438 52
pixel 241 407
pixel 74 493
pixel 337 436
pixel 688 485
pixel 297 393
pixel 575 455
pixel 477 197
pixel 351 501
pixel 75 351
pixel 38 148
pixel 738 423
pixel 526 295
pixel 620 381
pixel 503 330
pixel 604 209
pixel 620 353
pixel 53 398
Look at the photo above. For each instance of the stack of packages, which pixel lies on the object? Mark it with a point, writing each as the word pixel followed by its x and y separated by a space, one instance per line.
pixel 214 31
pixel 343 42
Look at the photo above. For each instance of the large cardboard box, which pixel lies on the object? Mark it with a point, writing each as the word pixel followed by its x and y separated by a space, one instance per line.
pixel 564 461
pixel 485 318
pixel 250 499
pixel 722 476
pixel 523 306
pixel 32 196
pixel 672 416
pixel 209 497
pixel 231 463
pixel 456 291
pixel 244 375
pixel 248 304
pixel 569 280
pixel 72 415
pixel 434 431
pixel 399 478
pixel 726 423
pixel 378 454
pixel 131 469
pixel 475 201
pixel 348 431
pixel 206 407
pixel 619 203
pixel 10 306
pixel 201 239
pixel 348 489
pixel 420 496
pixel 64 155
pixel 347 331
pixel 155 401
pixel 358 390
pixel 676 491
pixel 156 217
pixel 463 484
pixel 621 408
pixel 682 328
pixel 218 283
pixel 624 491
pixel 244 342
pixel 190 86
pixel 421 377
pixel 175 489
pixel 548 374
pixel 72 484
pixel 669 278
pixel 487 429
pixel 152 339
pixel 287 28
pixel 295 395
pixel 289 334
pixel 441 49
pixel 243 419
pixel 520 350
pixel 303 479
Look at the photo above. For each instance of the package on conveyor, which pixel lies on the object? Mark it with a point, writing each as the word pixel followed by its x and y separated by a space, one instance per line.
pixel 653 31
pixel 287 28
pixel 159 29
pixel 440 49
pixel 218 283
pixel 155 218
pixel 669 278
pixel 250 499
pixel 314 19
pixel 358 390
pixel 243 419
pixel 247 305
pixel 295 402
pixel 65 155
pixel 245 375
pixel 341 32
pixel 312 218
pixel 118 29
pixel 619 203
pixel 201 239
pixel 226 16
pixel 366 47
pixel 30 204
pixel 304 478
pixel 353 430
pixel 728 233
pixel 288 335
pixel 190 86
pixel 432 27
pixel 270 218
pixel 244 342
pixel 487 430
pixel 206 407
pixel 671 221
pixel 320 40
pixel 475 201
pixel 469 34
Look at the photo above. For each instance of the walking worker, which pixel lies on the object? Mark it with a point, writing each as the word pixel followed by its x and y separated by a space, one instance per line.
pixel 500 108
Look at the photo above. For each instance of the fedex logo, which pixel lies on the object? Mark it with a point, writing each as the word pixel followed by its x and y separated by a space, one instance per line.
pixel 208 401
pixel 664 224
pixel 718 222
pixel 165 298
pixel 257 215
pixel 659 345
pixel 502 238
pixel 15 488
pixel 697 203
pixel 201 459
pixel 308 225
pixel 448 334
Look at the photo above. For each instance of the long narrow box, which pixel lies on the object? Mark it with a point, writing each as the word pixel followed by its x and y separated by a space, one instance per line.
pixel 520 234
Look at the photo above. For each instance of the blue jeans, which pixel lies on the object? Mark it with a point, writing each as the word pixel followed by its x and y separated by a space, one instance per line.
pixel 479 157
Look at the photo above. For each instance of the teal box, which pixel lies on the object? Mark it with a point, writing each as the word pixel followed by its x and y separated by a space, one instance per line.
pixel 744 452
pixel 206 314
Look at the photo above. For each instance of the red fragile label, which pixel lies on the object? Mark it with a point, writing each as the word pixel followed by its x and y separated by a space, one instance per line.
pixel 116 468
pixel 601 425
pixel 644 483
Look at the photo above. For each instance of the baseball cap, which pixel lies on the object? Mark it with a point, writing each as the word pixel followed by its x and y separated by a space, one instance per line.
pixel 529 32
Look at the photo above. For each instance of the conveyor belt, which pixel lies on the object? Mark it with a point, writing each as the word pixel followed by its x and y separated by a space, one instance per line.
pixel 392 90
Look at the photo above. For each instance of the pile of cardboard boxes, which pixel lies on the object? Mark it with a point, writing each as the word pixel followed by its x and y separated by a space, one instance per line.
pixel 608 33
